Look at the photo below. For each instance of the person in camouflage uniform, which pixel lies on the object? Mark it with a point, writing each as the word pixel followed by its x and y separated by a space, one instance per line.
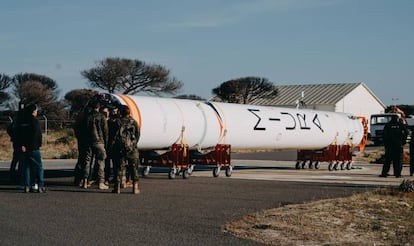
pixel 97 130
pixel 125 157
pixel 113 116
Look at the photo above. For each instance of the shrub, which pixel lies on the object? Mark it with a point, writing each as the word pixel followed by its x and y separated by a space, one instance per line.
pixel 407 186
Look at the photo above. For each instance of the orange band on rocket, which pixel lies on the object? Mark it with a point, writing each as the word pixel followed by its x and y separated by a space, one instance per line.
pixel 133 107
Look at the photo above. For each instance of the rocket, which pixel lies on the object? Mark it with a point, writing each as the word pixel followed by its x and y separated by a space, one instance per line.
pixel 201 125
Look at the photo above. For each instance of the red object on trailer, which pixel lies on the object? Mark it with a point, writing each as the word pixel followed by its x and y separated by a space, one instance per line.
pixel 335 155
pixel 219 157
pixel 182 160
pixel 176 158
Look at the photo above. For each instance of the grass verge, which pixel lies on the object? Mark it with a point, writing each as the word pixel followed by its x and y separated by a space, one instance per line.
pixel 383 217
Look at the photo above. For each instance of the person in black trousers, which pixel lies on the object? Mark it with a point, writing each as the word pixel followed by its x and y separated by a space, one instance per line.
pixel 395 136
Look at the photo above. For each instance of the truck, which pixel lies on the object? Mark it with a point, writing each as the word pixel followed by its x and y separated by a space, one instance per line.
pixel 378 121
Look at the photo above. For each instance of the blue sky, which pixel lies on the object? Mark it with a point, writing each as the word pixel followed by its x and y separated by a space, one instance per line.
pixel 205 43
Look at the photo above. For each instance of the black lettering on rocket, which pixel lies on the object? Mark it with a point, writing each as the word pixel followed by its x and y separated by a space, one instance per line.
pixel 301 118
pixel 317 122
pixel 293 119
pixel 302 121
pixel 256 127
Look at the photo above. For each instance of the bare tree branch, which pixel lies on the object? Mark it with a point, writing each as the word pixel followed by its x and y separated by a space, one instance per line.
pixel 245 90
pixel 79 98
pixel 39 89
pixel 5 83
pixel 126 76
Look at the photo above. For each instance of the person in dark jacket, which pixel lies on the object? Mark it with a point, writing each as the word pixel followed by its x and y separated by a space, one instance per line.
pixel 11 130
pixel 395 136
pixel 29 140
pixel 84 147
pixel 16 152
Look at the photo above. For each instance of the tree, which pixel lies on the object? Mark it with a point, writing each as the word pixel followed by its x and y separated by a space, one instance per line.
pixel 5 83
pixel 126 76
pixel 407 109
pixel 79 98
pixel 46 81
pixel 245 90
pixel 41 90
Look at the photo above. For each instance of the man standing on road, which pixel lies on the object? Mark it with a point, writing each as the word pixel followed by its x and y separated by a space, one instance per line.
pixel 124 148
pixel 395 136
pixel 29 140
pixel 97 129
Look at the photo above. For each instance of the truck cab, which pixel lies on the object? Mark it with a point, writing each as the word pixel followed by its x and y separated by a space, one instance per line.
pixel 377 123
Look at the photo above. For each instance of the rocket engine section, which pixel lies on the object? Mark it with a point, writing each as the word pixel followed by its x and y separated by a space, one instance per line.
pixel 167 121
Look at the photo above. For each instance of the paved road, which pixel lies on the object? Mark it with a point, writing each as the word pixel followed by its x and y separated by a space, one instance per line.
pixel 167 212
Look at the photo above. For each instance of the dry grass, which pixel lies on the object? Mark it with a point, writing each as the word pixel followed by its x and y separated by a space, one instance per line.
pixel 60 145
pixel 377 156
pixel 383 217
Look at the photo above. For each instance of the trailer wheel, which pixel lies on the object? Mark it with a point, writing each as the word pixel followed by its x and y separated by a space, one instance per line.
pixel 330 166
pixel 317 165
pixel 216 172
pixel 186 174
pixel 171 174
pixel 297 165
pixel 335 167
pixel 191 169
pixel 304 165
pixel 229 170
pixel 349 165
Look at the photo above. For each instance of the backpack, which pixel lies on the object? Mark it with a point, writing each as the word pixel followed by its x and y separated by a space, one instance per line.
pixel 126 139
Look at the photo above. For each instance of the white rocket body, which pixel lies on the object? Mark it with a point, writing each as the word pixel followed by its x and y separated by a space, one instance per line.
pixel 165 121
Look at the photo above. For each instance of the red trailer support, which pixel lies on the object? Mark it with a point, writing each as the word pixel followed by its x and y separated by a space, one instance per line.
pixel 176 158
pixel 219 157
pixel 334 154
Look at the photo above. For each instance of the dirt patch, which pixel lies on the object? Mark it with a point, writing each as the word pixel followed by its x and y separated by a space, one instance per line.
pixel 376 218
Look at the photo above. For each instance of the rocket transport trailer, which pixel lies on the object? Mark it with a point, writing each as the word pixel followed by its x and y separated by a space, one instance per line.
pixel 181 133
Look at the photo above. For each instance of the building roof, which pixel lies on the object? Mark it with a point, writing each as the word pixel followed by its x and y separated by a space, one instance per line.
pixel 314 94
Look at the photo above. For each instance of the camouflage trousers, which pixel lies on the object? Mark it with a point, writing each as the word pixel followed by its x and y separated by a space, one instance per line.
pixel 125 163
pixel 99 153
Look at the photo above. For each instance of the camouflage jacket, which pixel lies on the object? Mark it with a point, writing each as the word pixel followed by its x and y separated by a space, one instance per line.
pixel 116 142
pixel 97 128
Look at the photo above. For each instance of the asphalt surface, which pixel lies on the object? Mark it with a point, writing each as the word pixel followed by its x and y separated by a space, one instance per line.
pixel 167 212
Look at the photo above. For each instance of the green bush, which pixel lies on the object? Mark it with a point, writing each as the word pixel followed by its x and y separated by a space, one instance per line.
pixel 407 186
